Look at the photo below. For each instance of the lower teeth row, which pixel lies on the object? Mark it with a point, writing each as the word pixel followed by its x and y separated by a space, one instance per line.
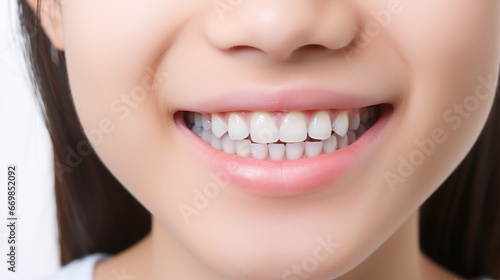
pixel 280 151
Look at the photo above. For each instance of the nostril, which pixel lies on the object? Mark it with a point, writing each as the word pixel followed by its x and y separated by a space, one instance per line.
pixel 305 50
pixel 311 48
pixel 242 48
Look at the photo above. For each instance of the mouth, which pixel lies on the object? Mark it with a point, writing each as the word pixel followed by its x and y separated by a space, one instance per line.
pixel 281 136
pixel 286 147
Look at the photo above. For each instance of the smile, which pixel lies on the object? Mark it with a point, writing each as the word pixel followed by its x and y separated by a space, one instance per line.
pixel 282 135
pixel 276 142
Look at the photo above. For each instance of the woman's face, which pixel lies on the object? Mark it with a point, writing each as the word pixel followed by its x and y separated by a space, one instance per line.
pixel 420 74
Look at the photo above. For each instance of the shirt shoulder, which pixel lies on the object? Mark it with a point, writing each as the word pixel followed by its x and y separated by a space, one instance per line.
pixel 80 269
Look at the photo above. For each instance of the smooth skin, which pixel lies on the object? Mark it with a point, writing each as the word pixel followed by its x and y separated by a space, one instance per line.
pixel 427 59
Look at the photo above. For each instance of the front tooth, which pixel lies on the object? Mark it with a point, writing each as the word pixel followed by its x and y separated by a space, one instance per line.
pixel 320 127
pixel 355 121
pixel 341 123
pixel 228 145
pixel 313 148
pixel 215 142
pixel 295 150
pixel 263 128
pixel 293 128
pixel 330 144
pixel 219 126
pixel 243 148
pixel 276 151
pixel 205 122
pixel 197 120
pixel 237 127
pixel 259 151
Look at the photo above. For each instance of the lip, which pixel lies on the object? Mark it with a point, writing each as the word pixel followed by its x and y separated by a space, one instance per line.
pixel 284 178
pixel 254 98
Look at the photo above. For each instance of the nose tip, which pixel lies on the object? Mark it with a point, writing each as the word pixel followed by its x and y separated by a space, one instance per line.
pixel 283 27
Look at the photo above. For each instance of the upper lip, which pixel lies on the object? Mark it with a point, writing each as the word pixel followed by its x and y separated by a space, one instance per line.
pixel 283 98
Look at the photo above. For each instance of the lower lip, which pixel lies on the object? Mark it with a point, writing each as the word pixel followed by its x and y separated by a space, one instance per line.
pixel 285 178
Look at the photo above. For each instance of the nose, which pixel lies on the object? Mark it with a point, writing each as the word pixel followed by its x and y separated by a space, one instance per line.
pixel 281 28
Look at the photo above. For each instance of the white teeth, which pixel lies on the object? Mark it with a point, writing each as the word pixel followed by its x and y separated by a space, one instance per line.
pixel 263 128
pixel 216 142
pixel 313 148
pixel 237 127
pixel 320 127
pixel 351 137
pixel 206 135
pixel 276 151
pixel 355 121
pixel 258 140
pixel 341 123
pixel 330 144
pixel 295 150
pixel 342 142
pixel 243 148
pixel 259 151
pixel 219 126
pixel 197 120
pixel 293 128
pixel 228 145
pixel 205 122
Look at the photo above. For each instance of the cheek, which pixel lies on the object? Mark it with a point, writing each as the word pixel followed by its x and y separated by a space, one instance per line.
pixel 115 71
pixel 453 61
pixel 116 55
pixel 434 33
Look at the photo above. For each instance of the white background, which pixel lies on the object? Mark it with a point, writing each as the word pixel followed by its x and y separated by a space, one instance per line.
pixel 24 141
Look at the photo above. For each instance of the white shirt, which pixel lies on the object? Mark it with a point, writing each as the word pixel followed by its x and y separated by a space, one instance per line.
pixel 80 269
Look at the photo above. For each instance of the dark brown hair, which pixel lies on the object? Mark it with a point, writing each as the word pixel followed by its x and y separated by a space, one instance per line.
pixel 94 212
pixel 460 223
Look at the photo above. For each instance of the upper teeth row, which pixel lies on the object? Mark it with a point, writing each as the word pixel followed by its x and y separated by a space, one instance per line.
pixel 264 128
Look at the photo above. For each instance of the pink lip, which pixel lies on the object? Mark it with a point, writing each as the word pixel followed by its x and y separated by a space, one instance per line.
pixel 283 178
pixel 253 98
